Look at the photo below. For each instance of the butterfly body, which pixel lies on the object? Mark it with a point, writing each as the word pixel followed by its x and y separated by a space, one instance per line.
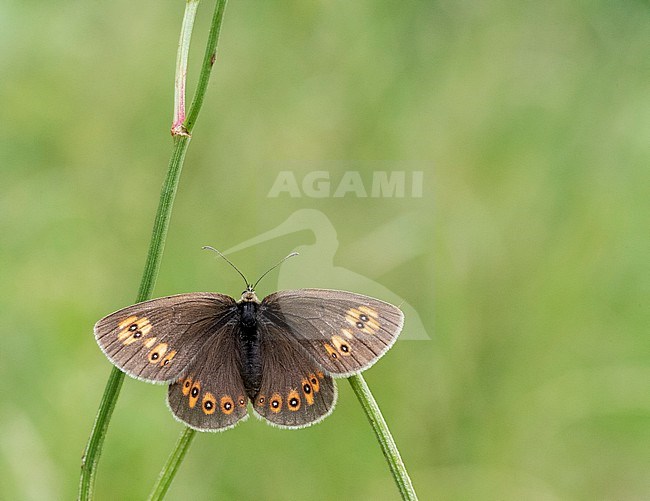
pixel 250 343
pixel 280 353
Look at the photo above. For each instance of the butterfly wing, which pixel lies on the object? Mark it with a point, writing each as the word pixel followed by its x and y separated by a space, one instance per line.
pixel 158 339
pixel 211 395
pixel 343 332
pixel 294 392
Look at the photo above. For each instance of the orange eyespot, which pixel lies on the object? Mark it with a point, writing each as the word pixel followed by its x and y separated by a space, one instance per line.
pixel 332 352
pixel 315 383
pixel 275 403
pixel 194 394
pixel 157 353
pixel 187 384
pixel 227 405
pixel 133 328
pixel 364 319
pixel 342 346
pixel 293 401
pixel 307 391
pixel 167 358
pixel 209 403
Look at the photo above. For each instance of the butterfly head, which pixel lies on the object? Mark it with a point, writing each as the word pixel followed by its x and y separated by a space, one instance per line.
pixel 249 296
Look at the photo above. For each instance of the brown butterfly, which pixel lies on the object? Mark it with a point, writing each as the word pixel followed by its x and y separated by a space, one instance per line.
pixel 280 353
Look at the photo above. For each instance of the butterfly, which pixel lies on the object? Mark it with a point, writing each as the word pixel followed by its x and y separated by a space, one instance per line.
pixel 280 354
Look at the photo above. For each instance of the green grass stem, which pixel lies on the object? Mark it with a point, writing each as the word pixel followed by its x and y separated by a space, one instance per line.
pixel 171 466
pixel 384 437
pixel 93 449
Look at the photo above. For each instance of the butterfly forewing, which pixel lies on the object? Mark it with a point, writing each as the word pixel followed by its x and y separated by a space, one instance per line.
pixel 294 391
pixel 211 395
pixel 343 332
pixel 157 340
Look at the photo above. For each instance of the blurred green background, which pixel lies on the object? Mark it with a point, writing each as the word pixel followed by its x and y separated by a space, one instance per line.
pixel 525 258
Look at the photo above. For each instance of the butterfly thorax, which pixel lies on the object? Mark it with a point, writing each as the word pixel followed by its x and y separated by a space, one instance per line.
pixel 250 345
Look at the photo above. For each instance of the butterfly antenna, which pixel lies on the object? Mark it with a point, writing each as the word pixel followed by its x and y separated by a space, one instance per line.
pixel 274 267
pixel 207 247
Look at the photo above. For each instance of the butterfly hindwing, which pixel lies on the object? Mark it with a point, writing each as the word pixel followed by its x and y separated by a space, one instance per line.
pixel 343 332
pixel 156 340
pixel 211 395
pixel 294 391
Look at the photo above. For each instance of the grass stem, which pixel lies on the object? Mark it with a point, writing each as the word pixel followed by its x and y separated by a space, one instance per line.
pixel 384 437
pixel 93 449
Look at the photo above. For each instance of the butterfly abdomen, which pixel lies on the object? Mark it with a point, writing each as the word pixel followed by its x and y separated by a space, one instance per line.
pixel 251 349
